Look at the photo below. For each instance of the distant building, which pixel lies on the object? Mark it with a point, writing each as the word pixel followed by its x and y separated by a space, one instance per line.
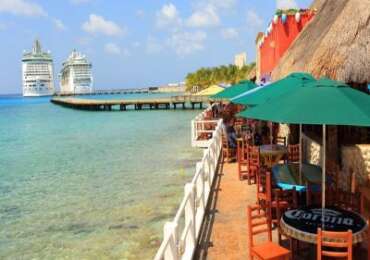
pixel 282 31
pixel 76 75
pixel 240 60
pixel 37 72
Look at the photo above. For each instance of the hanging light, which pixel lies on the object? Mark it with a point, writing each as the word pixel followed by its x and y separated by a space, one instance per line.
pixel 298 17
pixel 284 18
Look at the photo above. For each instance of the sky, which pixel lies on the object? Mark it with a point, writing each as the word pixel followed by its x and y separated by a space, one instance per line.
pixel 130 43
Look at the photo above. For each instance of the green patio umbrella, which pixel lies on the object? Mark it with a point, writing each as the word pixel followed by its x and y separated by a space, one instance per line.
pixel 322 102
pixel 235 90
pixel 280 87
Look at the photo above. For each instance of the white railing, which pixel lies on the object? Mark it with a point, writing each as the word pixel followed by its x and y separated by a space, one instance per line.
pixel 181 235
pixel 199 127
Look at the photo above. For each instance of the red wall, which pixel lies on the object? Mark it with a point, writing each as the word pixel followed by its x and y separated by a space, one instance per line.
pixel 279 40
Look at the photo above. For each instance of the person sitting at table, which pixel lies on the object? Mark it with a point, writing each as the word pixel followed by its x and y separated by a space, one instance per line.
pixel 231 133
pixel 265 131
pixel 257 139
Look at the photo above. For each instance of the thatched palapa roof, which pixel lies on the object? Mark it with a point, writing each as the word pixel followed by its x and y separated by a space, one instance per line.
pixel 336 43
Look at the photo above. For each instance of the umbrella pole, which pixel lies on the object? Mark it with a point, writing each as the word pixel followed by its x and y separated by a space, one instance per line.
pixel 323 188
pixel 271 133
pixel 300 153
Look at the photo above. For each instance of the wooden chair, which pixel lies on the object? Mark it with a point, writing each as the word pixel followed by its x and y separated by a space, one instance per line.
pixel 293 153
pixel 253 163
pixel 283 201
pixel 259 222
pixel 280 140
pixel 335 240
pixel 264 187
pixel 227 151
pixel 242 157
pixel 313 198
pixel 348 200
pixel 332 172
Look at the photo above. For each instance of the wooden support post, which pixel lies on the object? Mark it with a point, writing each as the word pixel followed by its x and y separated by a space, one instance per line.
pixel 201 105
pixel 192 105
pixel 183 105
pixel 174 106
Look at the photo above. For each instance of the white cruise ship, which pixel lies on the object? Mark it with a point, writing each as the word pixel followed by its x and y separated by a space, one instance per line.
pixel 76 75
pixel 37 72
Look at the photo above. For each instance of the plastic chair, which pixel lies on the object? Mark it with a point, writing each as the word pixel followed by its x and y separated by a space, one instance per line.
pixel 293 153
pixel 327 240
pixel 259 222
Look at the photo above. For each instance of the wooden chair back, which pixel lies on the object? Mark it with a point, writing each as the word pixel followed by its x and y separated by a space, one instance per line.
pixel 313 198
pixel 293 153
pixel 332 171
pixel 284 200
pixel 264 187
pixel 253 157
pixel 348 201
pixel 281 140
pixel 259 222
pixel 242 157
pixel 285 197
pixel 329 243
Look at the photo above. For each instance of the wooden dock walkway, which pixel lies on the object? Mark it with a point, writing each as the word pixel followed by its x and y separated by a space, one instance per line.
pixel 136 104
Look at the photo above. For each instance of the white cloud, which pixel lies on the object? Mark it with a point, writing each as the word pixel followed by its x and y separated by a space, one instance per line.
pixel 229 33
pixel 140 13
pixel 186 43
pixel 219 4
pixel 114 49
pixel 168 16
pixel 153 46
pixel 254 21
pixel 204 17
pixel 78 2
pixel 21 7
pixel 59 25
pixel 97 24
pixel 286 4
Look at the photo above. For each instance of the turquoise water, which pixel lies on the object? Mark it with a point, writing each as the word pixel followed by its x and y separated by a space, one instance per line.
pixel 89 185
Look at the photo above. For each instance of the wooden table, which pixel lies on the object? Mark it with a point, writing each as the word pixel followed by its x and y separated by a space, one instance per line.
pixel 272 154
pixel 302 223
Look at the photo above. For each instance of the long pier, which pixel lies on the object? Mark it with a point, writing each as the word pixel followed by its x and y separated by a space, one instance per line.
pixel 136 104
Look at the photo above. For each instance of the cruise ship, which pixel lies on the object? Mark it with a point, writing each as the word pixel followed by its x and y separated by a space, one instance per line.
pixel 37 72
pixel 76 75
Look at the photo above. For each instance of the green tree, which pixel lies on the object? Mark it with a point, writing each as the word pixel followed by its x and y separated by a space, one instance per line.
pixel 205 77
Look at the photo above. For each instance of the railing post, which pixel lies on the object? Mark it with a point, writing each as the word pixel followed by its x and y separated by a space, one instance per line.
pixel 193 132
pixel 170 229
pixel 190 211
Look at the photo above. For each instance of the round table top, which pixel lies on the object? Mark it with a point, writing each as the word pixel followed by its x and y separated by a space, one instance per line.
pixel 273 149
pixel 302 223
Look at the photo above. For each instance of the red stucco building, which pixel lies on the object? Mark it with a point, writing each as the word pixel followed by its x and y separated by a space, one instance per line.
pixel 280 34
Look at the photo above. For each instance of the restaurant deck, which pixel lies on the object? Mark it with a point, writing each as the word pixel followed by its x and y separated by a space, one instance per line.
pixel 226 235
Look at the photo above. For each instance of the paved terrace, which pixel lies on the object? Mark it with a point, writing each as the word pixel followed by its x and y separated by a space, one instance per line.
pixel 225 231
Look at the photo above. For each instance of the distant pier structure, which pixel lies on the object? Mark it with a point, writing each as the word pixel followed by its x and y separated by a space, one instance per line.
pixel 174 102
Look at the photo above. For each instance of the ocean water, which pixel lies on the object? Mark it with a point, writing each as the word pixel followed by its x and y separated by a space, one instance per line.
pixel 89 185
